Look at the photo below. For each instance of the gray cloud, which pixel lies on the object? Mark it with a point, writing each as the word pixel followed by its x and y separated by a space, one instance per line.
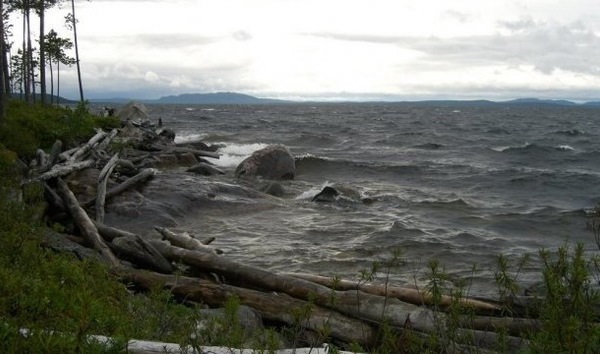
pixel 545 46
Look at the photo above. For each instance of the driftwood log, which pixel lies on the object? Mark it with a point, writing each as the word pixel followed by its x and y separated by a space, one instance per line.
pixel 102 183
pixel 83 150
pixel 271 306
pixel 85 224
pixel 409 295
pixel 61 170
pixel 353 303
pixel 184 240
pixel 131 182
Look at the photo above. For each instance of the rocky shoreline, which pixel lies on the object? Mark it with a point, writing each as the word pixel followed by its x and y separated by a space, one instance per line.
pixel 119 195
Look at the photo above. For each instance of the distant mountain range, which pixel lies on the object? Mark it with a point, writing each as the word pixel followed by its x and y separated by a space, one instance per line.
pixel 239 98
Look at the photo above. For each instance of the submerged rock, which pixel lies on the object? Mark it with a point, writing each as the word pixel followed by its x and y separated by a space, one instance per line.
pixel 273 162
pixel 205 169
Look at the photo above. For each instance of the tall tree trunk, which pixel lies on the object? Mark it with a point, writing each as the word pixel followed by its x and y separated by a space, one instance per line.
pixel 58 82
pixel 51 81
pixel 31 71
pixel 2 64
pixel 77 51
pixel 42 53
pixel 25 59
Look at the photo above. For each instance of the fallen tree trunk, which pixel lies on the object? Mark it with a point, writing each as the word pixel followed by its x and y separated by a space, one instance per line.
pixel 135 249
pixel 271 306
pixel 102 183
pixel 85 224
pixel 84 149
pixel 186 241
pixel 140 177
pixel 409 295
pixel 107 139
pixel 60 170
pixel 196 152
pixel 354 303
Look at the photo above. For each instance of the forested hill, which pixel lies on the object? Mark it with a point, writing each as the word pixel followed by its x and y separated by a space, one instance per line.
pixel 215 98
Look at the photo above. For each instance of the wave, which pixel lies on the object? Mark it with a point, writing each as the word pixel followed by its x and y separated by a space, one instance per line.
pixel 570 132
pixel 450 203
pixel 498 131
pixel 308 164
pixel 429 146
pixel 233 154
pixel 529 148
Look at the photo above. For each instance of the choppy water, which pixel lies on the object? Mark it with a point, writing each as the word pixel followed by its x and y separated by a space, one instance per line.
pixel 456 184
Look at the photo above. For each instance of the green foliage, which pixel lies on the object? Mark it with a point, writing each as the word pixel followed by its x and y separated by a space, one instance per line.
pixel 28 128
pixel 570 307
pixel 60 300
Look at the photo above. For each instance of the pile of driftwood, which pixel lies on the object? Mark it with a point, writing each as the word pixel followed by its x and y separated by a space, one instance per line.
pixel 351 312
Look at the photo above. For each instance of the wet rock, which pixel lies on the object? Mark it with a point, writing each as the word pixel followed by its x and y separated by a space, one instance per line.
pixel 273 162
pixel 340 193
pixel 274 188
pixel 167 135
pixel 167 160
pixel 205 169
pixel 199 145
pixel 133 112
pixel 327 195
pixel 187 159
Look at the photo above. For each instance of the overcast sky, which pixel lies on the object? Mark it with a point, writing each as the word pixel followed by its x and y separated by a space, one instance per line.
pixel 391 49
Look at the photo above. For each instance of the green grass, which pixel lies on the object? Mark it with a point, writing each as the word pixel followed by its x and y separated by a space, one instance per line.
pixel 59 299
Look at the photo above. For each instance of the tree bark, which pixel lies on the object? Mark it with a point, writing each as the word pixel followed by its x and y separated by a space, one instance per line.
pixel 140 177
pixel 409 295
pixel 184 240
pixel 271 306
pixel 101 190
pixel 42 13
pixel 79 154
pixel 85 224
pixel 81 99
pixel 61 170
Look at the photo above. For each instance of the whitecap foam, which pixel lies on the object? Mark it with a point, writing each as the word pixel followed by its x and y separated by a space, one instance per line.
pixel 565 148
pixel 310 193
pixel 183 138
pixel 233 154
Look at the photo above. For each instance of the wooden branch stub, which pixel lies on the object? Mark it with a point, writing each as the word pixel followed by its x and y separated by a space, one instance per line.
pixel 184 240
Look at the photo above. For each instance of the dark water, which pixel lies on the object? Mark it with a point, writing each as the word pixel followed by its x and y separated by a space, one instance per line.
pixel 460 185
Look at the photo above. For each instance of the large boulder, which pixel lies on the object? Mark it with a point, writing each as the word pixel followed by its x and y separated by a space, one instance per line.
pixel 133 112
pixel 272 162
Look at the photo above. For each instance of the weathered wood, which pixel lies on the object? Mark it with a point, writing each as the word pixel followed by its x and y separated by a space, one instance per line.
pixel 41 161
pixel 184 240
pixel 54 152
pixel 140 177
pixel 110 233
pixel 64 156
pixel 85 224
pixel 409 295
pixel 136 250
pixel 354 303
pixel 84 149
pixel 271 306
pixel 61 170
pixel 107 139
pixel 102 183
pixel 196 152
pixel 54 199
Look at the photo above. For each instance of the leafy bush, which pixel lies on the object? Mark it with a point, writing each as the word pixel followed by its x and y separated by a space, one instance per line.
pixel 28 128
